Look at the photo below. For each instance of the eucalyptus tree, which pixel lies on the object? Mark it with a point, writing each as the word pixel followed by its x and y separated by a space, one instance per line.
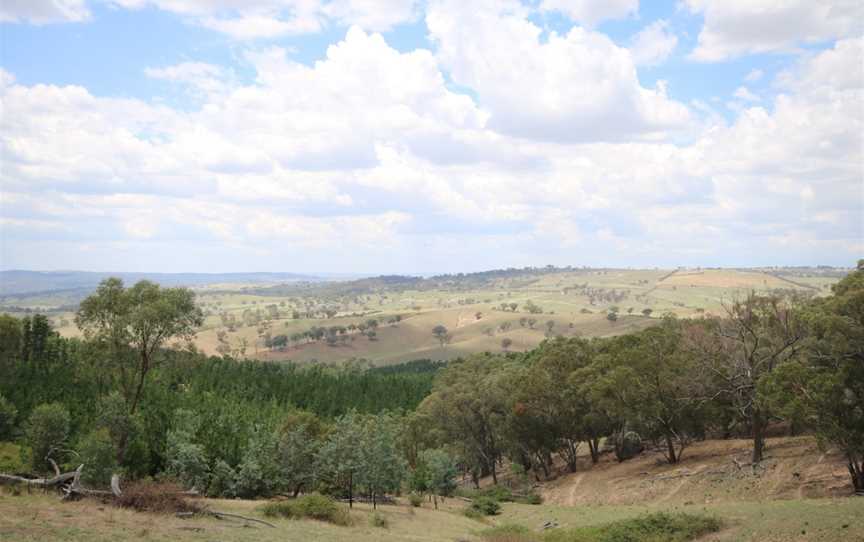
pixel 756 336
pixel 825 385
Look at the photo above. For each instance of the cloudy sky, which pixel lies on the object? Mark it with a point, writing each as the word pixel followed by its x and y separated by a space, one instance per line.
pixel 418 136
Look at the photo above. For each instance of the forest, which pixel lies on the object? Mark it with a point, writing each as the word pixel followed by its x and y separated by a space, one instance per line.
pixel 134 397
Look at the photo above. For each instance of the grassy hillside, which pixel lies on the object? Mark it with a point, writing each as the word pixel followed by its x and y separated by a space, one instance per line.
pixel 771 504
pixel 575 301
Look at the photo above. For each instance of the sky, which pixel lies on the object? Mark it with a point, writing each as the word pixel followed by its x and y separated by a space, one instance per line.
pixel 426 136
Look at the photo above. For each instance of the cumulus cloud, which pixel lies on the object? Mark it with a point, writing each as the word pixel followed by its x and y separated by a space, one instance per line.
pixel 653 44
pixel 591 12
pixel 745 94
pixel 574 87
pixel 253 19
pixel 737 27
pixel 44 11
pixel 370 152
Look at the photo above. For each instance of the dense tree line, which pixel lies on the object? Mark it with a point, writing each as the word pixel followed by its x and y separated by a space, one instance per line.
pixel 120 399
pixel 119 388
pixel 768 359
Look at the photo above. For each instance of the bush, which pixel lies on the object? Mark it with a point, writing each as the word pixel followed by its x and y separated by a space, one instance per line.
pixel 497 493
pixel 155 497
pixel 47 429
pixel 11 458
pixel 98 455
pixel 486 506
pixel 416 500
pixel 223 482
pixel 378 520
pixel 531 498
pixel 627 445
pixel 473 514
pixel 313 506
pixel 659 527
pixel 8 413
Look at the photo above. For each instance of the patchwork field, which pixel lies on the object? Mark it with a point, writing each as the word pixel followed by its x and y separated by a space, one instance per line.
pixel 513 310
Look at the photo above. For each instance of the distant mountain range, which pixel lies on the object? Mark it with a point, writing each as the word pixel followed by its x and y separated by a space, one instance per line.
pixel 17 282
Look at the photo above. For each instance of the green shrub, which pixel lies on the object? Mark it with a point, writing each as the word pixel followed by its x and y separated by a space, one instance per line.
pixel 8 413
pixel 531 498
pixel 472 513
pixel 11 458
pixel 486 506
pixel 313 506
pixel 47 429
pixel 509 533
pixel 658 527
pixel 99 458
pixel 497 493
pixel 416 500
pixel 378 520
pixel 223 481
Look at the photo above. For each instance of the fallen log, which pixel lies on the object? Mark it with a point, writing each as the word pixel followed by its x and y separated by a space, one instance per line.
pixel 39 482
pixel 222 515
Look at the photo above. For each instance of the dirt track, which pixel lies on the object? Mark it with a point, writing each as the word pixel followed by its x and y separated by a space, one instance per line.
pixel 794 468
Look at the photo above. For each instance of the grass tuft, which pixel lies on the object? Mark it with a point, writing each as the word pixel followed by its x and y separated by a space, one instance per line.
pixel 658 527
pixel 318 507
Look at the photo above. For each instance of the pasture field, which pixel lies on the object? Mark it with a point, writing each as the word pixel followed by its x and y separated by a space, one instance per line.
pixel 569 302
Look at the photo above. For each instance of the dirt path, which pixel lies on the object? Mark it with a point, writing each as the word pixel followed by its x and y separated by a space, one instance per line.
pixel 707 473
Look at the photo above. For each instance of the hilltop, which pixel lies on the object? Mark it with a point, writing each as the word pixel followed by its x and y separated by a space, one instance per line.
pixel 514 309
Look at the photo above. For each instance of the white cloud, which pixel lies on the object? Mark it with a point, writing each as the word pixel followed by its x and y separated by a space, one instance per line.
pixel 44 11
pixel 377 15
pixel 575 87
pixel 754 75
pixel 653 44
pixel 745 94
pixel 738 27
pixel 207 80
pixel 367 154
pixel 591 12
pixel 267 19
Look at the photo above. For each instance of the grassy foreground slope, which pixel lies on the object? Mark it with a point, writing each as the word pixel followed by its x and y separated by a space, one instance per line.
pixel 797 495
pixel 40 517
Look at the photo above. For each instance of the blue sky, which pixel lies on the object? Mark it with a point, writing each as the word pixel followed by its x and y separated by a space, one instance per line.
pixel 426 136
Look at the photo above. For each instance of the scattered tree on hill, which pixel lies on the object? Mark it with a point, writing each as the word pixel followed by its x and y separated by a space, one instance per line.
pixel 440 333
pixel 647 312
pixel 505 343
pixel 440 470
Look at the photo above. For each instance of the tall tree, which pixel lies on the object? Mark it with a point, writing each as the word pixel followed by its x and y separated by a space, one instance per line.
pixel 132 324
pixel 757 335
pixel 825 386
pixel 468 406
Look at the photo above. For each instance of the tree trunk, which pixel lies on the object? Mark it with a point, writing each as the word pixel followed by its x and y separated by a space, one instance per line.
pixel 758 436
pixel 594 448
pixel 351 489
pixel 374 502
pixel 494 474
pixel 856 471
pixel 435 498
pixel 670 450
pixel 475 479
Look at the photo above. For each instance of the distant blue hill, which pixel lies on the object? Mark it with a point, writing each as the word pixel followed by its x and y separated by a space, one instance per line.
pixel 17 282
